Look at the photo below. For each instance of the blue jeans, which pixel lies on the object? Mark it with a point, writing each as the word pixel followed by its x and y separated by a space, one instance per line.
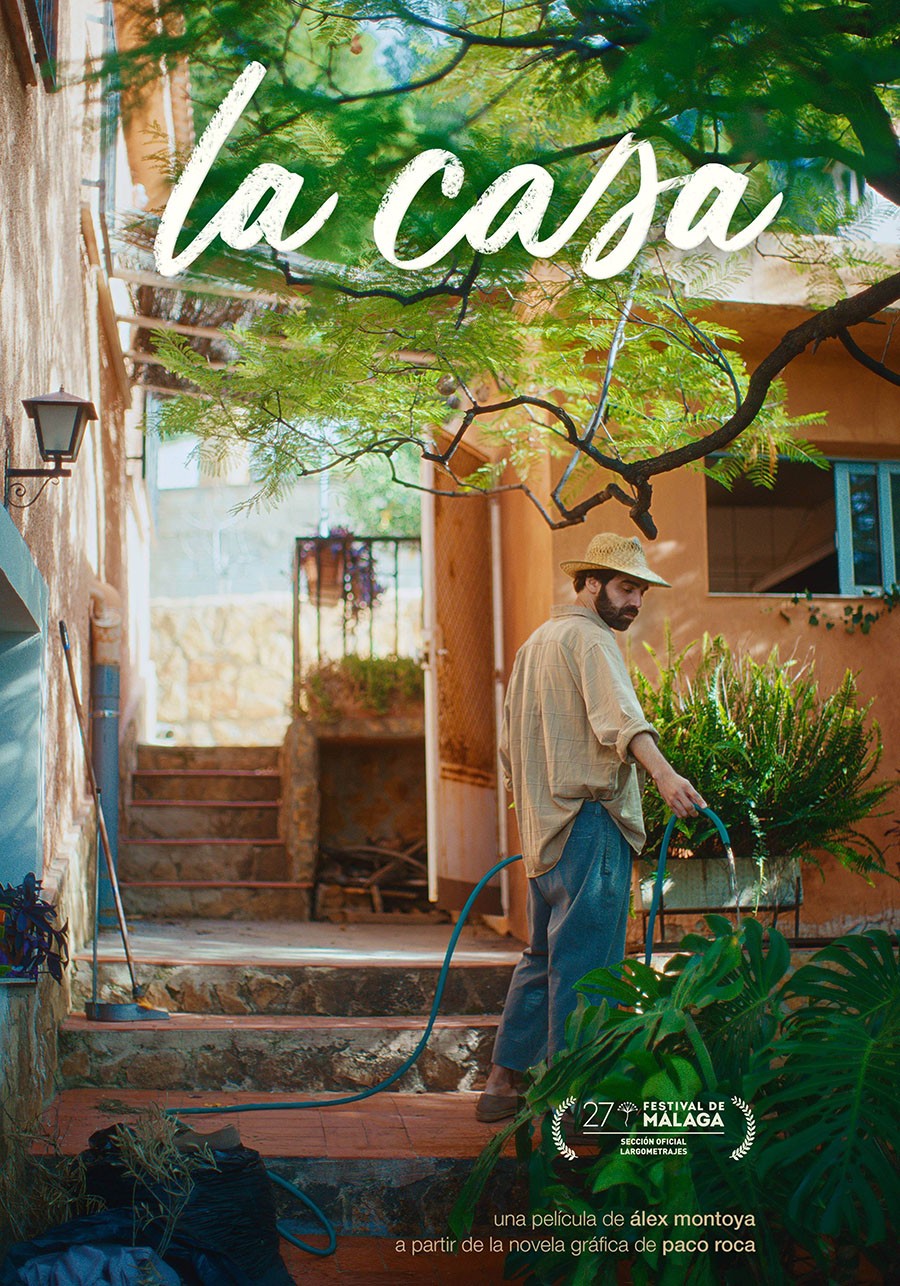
pixel 577 916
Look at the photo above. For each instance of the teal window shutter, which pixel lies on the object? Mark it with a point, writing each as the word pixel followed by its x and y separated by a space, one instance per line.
pixel 867 496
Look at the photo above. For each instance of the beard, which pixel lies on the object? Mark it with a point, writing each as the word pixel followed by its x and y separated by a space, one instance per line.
pixel 617 618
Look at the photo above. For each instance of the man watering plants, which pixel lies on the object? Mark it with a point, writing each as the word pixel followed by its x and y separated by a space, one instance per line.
pixel 575 750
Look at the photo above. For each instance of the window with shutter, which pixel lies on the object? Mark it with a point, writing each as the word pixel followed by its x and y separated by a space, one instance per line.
pixel 33 26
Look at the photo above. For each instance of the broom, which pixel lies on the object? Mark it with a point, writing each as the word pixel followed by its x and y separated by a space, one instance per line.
pixel 95 1011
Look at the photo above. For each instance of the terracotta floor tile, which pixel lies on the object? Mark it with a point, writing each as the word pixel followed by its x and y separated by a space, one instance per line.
pixel 391 1128
pixel 440 1125
pixel 362 1261
pixel 358 1254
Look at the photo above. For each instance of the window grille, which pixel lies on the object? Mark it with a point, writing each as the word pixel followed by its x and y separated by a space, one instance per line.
pixel 357 595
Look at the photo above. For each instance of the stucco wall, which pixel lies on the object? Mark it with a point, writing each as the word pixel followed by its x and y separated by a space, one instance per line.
pixel 528 595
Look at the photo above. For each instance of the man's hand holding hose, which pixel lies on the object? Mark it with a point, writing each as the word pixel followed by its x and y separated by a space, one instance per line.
pixel 679 795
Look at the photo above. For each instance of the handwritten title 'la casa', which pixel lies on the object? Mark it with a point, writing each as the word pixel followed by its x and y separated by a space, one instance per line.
pixel 530 185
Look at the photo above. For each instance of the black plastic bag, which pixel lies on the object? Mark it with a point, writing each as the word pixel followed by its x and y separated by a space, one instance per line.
pixel 194 1265
pixel 230 1211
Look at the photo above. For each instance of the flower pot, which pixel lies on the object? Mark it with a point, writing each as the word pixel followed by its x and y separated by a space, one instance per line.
pixel 324 571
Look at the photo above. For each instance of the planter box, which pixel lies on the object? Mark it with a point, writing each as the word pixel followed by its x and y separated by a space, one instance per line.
pixel 697 885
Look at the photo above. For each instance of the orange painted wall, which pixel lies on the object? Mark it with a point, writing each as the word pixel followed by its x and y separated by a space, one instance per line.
pixel 528 585
pixel 863 420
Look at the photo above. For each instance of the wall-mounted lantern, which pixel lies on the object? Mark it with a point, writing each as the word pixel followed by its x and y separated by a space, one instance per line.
pixel 60 420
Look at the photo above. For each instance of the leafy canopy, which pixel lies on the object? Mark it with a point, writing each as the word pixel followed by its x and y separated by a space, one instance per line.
pixel 622 379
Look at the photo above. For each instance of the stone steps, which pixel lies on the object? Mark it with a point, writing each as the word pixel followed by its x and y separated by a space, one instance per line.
pixel 387 1166
pixel 202 819
pixel 269 1052
pixel 263 1006
pixel 201 859
pixel 285 988
pixel 399 1197
pixel 219 899
pixel 206 784
pixel 202 837
pixel 220 758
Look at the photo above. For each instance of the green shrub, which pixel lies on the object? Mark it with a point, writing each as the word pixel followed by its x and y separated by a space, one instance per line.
pixel 372 684
pixel 788 769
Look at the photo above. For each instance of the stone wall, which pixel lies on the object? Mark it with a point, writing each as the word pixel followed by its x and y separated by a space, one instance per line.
pixel 351 782
pixel 223 668
pixel 52 333
pixel 371 792
pixel 30 1014
pixel 224 663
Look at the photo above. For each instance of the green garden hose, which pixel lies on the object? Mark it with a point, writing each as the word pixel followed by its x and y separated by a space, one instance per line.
pixel 661 871
pixel 360 1094
pixel 299 1105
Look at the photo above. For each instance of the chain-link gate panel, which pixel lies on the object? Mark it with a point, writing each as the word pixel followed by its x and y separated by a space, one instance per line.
pixel 464 640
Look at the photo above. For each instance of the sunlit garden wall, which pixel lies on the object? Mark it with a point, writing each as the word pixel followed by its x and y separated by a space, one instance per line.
pixel 863 423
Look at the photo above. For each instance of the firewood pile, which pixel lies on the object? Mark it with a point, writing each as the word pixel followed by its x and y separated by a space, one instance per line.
pixel 373 882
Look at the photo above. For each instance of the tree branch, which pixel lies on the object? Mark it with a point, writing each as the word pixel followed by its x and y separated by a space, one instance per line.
pixel 444 287
pixel 409 87
pixel 824 325
pixel 870 363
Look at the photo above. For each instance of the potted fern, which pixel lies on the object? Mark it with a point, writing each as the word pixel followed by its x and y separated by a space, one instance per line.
pixel 30 941
pixel 789 767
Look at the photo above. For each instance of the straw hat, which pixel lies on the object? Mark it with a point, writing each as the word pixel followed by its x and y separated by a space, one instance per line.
pixel 611 553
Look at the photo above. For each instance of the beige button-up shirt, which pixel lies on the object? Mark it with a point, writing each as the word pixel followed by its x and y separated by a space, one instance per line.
pixel 570 714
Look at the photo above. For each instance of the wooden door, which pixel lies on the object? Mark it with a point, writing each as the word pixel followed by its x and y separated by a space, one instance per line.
pixel 460 712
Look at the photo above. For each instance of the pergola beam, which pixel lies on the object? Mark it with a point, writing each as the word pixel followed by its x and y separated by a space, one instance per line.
pixel 160 390
pixel 166 323
pixel 150 359
pixel 190 286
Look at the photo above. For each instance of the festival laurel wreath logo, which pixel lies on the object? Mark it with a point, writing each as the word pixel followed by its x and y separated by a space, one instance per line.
pixel 663 1128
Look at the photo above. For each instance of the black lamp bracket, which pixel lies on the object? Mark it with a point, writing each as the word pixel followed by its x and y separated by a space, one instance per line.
pixel 18 489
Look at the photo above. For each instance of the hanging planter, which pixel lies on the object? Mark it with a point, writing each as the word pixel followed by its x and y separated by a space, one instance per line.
pixel 323 561
pixel 30 942
pixel 339 569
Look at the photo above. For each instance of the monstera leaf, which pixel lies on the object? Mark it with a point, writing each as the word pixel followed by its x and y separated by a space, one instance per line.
pixel 816 1055
pixel 829 1119
pixel 739 1028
